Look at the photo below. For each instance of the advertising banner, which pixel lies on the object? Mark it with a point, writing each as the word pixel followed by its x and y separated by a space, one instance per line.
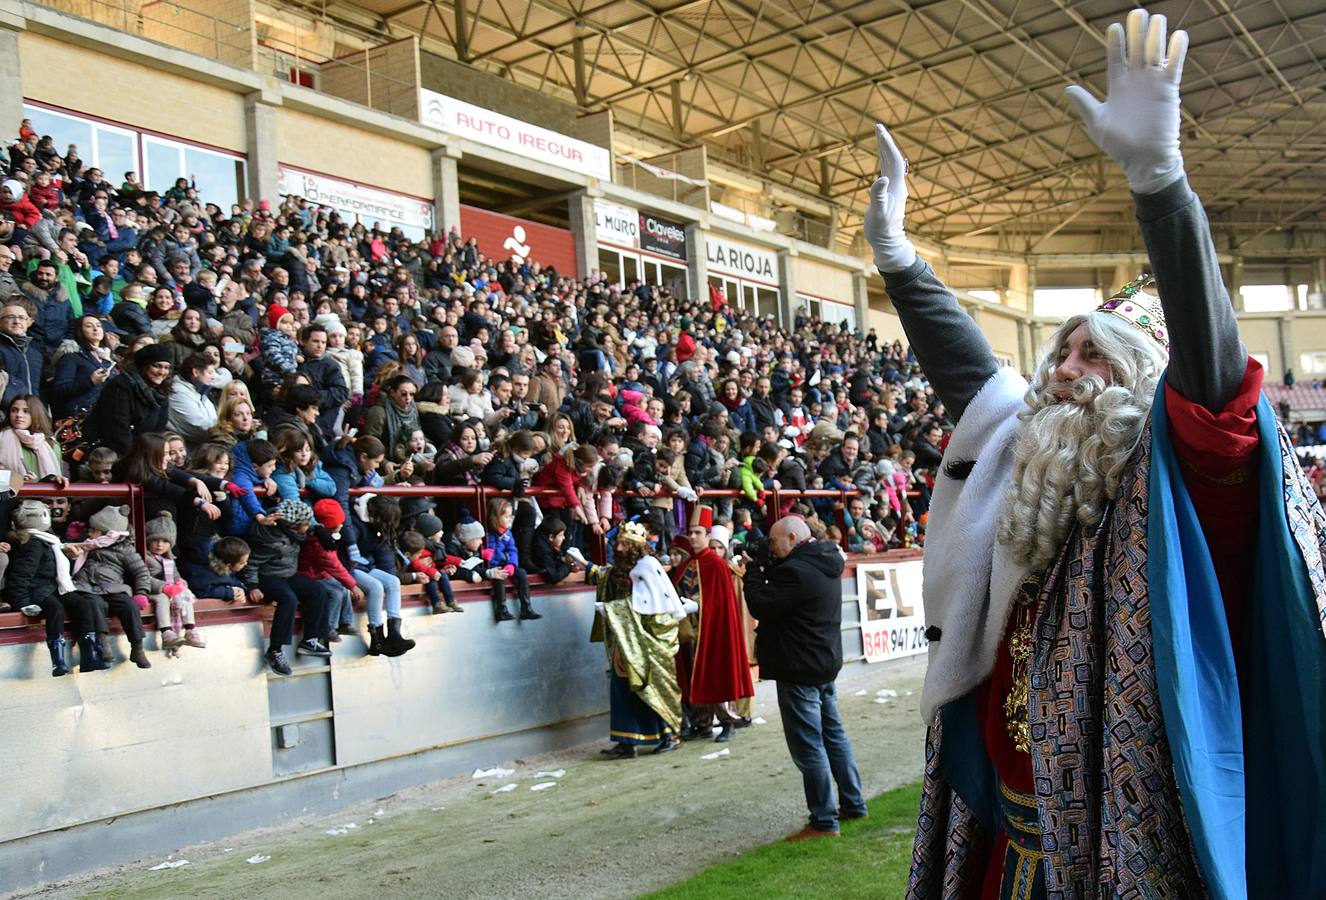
pixel 505 237
pixel 741 260
pixel 492 129
pixel 892 619
pixel 356 202
pixel 616 224
pixel 658 235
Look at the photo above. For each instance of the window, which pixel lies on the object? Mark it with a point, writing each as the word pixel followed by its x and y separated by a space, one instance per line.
pixel 1265 298
pixel 111 149
pixel 610 264
pixel 674 279
pixel 1308 363
pixel 220 176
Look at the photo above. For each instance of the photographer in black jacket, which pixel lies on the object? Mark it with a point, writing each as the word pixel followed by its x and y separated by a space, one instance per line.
pixel 796 594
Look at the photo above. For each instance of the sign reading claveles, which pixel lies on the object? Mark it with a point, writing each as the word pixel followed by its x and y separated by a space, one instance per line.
pixel 492 129
pixel 742 260
pixel 356 202
pixel 888 596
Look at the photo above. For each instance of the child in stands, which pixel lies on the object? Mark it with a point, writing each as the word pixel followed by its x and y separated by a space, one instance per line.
pixel 429 527
pixel 504 562
pixel 319 561
pixel 424 568
pixel 465 546
pixel 377 520
pixel 170 594
pixel 271 574
pixel 217 576
pixel 106 564
pixel 549 558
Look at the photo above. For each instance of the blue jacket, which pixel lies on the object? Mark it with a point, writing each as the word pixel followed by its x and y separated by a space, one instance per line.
pixel 247 507
pixel 504 549
pixel 22 359
pixel 319 484
pixel 54 319
pixel 376 550
pixel 71 385
pixel 206 583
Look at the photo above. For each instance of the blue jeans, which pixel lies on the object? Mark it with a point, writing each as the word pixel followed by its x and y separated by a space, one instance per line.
pixel 380 589
pixel 820 749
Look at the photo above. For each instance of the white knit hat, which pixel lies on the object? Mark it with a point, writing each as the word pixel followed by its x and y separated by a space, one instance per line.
pixel 722 534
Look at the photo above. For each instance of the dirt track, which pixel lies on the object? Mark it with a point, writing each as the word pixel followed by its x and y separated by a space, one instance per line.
pixel 605 830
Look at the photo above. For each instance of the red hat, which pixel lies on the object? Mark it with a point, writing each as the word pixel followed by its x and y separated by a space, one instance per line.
pixel 275 313
pixel 704 517
pixel 329 514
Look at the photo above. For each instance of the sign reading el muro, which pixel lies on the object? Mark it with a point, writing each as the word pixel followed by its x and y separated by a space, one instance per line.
pixel 888 596
pixel 357 202
pixel 742 260
pixel 492 129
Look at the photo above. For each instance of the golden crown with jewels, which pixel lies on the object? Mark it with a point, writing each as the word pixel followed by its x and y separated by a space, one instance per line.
pixel 634 531
pixel 1138 305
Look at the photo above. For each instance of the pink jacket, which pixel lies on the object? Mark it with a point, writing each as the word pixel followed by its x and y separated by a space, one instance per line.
pixel 632 409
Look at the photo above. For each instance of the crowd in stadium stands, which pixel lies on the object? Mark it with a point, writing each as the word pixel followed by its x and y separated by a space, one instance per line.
pixel 250 367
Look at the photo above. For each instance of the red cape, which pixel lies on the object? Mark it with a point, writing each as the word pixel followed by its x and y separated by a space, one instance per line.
pixel 721 670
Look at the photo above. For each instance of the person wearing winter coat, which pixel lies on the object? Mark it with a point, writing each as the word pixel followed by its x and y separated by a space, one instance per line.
pixel 324 373
pixel 192 413
pixel 106 564
pixel 171 596
pixel 253 463
pixel 269 565
pixel 21 357
pixel 319 561
pixel 503 561
pixel 136 401
pixel 130 314
pixel 82 371
pixel 797 601
pixel 739 411
pixel 38 581
pixel 13 200
pixel 54 314
pixel 280 353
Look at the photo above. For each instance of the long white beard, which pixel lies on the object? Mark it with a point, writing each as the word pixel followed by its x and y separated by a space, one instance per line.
pixel 1068 457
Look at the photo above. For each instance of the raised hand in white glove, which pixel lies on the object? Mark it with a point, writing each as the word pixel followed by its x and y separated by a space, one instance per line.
pixel 888 200
pixel 1138 124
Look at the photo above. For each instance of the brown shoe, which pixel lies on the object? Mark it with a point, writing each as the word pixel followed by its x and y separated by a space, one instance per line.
pixel 139 657
pixel 809 833
pixel 193 639
pixel 170 639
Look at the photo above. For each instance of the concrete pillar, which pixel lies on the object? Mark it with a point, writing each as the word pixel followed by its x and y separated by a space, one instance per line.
pixel 446 190
pixel 787 288
pixel 1288 359
pixel 260 127
pixel 1236 283
pixel 861 302
pixel 697 263
pixel 585 230
pixel 11 75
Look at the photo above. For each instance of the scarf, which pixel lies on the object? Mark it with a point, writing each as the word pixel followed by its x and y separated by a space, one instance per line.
pixel 472 475
pixel 85 548
pixel 399 423
pixel 63 577
pixel 13 441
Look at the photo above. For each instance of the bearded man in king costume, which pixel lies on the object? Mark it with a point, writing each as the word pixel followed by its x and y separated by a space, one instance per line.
pixel 1124 585
pixel 637 613
pixel 718 670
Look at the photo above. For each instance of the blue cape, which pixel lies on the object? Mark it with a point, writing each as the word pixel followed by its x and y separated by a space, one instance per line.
pixel 1251 763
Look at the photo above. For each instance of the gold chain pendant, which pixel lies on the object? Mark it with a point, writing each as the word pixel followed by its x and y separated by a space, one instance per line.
pixel 1019 649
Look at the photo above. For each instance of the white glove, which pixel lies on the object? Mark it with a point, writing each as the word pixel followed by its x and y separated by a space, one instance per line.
pixel 690 606
pixel 1138 124
pixel 888 200
pixel 574 553
pixel 687 494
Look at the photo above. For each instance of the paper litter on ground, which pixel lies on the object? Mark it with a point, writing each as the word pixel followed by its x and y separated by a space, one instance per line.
pixel 715 755
pixel 759 720
pixel 543 786
pixel 860 693
pixel 494 772
pixel 257 858
pixel 344 829
pixel 886 693
pixel 506 787
pixel 555 773
pixel 169 864
pixel 881 699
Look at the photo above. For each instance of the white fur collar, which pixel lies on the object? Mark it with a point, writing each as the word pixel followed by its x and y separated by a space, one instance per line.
pixel 970 580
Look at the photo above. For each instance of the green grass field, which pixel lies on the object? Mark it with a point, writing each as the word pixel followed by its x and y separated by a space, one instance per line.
pixel 871 859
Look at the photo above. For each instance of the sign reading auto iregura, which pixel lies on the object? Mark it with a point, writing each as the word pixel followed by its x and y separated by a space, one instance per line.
pixel 492 129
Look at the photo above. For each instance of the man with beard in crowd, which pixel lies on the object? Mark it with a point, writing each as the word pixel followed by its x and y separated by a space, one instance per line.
pixel 1123 573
